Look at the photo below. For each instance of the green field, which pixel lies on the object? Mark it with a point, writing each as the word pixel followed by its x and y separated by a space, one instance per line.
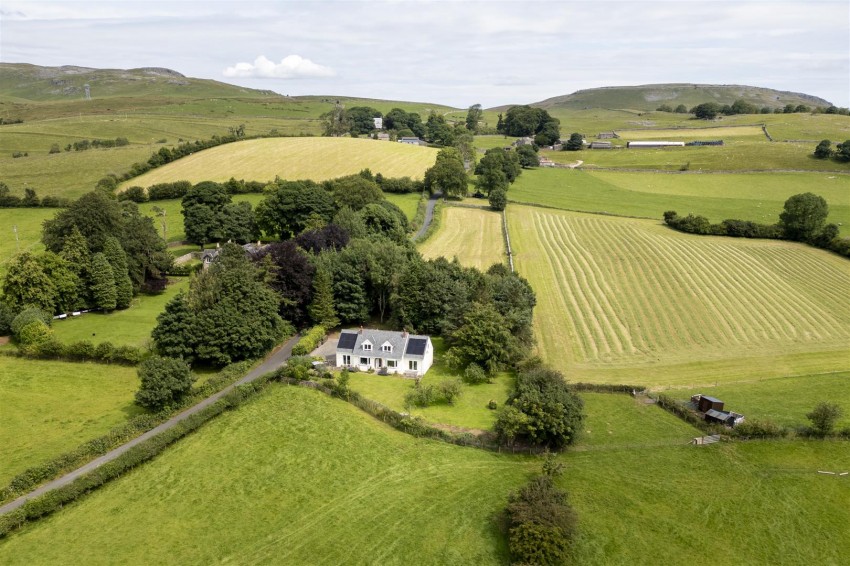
pixel 747 196
pixel 52 407
pixel 408 203
pixel 302 478
pixel 761 502
pixel 129 327
pixel 20 231
pixel 626 296
pixel 689 134
pixel 473 235
pixel 784 401
pixel 294 158
pixel 737 155
pixel 298 478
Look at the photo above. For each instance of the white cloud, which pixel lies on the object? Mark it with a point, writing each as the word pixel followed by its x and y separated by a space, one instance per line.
pixel 290 67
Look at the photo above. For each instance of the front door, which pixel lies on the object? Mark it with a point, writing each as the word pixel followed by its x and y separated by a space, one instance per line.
pixel 379 363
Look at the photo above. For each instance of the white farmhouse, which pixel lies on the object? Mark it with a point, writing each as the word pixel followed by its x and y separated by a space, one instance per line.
pixel 385 351
pixel 379 123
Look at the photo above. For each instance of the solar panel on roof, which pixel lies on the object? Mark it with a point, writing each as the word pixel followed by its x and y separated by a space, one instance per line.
pixel 347 340
pixel 416 346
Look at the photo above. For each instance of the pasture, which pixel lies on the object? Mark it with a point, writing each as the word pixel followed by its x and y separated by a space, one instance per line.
pixel 294 158
pixel 784 401
pixel 128 327
pixel 761 502
pixel 737 155
pixel 51 407
pixel 747 196
pixel 472 235
pixel 298 478
pixel 629 300
pixel 20 231
pixel 691 134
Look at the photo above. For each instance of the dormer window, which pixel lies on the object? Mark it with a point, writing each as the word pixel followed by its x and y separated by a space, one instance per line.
pixel 367 346
pixel 387 347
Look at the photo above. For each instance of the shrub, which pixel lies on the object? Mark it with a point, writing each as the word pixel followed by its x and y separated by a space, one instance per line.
pixel 27 316
pixel 420 396
pixel 752 428
pixel 33 333
pixel 449 390
pixel 50 349
pixel 135 194
pixel 128 355
pixel 54 148
pixel 165 381
pixel 309 341
pixel 298 367
pixel 474 375
pixel 498 199
pixel 492 405
pixel 7 315
pixel 81 351
pixel 823 417
pixel 541 523
pixel 542 410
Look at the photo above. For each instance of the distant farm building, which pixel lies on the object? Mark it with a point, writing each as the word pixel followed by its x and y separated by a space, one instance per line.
pixel 710 142
pixel 712 408
pixel 383 136
pixel 524 141
pixel 727 418
pixel 705 402
pixel 601 145
pixel 651 144
pixel 607 135
pixel 546 162
pixel 410 141
pixel 379 123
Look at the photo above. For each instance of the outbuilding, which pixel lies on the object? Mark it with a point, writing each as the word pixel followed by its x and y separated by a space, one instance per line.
pixel 705 402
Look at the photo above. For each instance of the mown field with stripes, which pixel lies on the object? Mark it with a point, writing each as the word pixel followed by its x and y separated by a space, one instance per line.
pixel 630 300
pixel 472 235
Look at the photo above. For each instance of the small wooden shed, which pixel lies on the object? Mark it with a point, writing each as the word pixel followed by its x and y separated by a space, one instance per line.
pixel 707 403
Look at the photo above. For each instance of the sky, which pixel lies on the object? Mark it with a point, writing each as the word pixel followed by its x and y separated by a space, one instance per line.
pixel 456 53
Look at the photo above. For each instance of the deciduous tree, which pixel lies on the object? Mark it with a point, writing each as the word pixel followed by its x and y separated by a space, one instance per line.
pixel 164 382
pixel 803 216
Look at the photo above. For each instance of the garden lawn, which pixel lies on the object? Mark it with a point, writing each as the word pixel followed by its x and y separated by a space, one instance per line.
pixel 784 401
pixel 129 327
pixel 50 407
pixel 294 477
pixel 470 410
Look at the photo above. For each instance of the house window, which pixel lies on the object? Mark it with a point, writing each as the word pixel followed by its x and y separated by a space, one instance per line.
pixel 364 361
pixel 412 365
pixel 392 364
pixel 386 348
pixel 346 360
pixel 367 347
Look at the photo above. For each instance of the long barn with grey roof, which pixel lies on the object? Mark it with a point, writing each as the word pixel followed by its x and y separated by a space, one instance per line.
pixel 385 351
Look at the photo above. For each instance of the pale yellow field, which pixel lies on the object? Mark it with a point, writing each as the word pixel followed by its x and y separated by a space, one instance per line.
pixel 629 300
pixel 292 159
pixel 473 235
pixel 693 133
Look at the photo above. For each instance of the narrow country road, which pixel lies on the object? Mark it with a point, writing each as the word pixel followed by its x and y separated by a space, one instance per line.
pixel 272 361
pixel 429 215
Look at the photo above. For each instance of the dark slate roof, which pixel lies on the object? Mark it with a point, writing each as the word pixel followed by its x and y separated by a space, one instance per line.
pixel 351 341
pixel 712 399
pixel 416 346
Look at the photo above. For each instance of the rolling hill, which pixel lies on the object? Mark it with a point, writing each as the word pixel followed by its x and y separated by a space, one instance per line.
pixel 650 97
